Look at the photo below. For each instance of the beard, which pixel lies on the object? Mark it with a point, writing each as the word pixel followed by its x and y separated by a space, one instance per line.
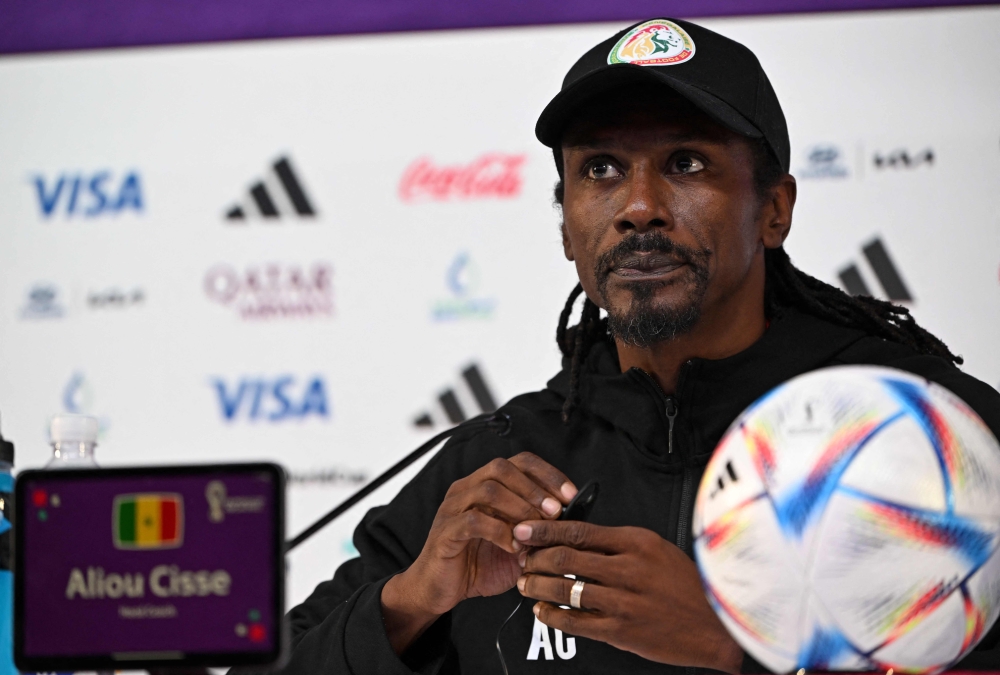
pixel 644 322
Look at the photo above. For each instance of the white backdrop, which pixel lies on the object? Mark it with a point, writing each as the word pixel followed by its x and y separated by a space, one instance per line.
pixel 317 341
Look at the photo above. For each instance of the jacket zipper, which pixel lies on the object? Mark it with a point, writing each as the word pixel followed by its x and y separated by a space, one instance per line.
pixel 672 408
pixel 684 517
pixel 671 411
pixel 687 486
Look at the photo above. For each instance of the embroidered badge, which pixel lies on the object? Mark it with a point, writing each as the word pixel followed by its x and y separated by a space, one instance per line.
pixel 655 43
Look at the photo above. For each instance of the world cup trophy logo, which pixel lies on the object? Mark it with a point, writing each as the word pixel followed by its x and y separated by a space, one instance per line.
pixel 215 495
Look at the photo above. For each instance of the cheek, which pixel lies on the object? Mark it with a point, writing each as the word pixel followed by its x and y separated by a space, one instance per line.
pixel 584 219
pixel 581 245
pixel 584 232
pixel 701 221
pixel 723 225
pixel 748 234
pixel 584 239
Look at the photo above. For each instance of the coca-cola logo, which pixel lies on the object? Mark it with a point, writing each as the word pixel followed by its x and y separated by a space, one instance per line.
pixel 273 290
pixel 493 175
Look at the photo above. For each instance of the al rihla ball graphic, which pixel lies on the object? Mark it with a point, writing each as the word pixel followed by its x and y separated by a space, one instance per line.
pixel 850 520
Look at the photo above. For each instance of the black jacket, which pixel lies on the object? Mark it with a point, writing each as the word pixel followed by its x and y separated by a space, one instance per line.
pixel 619 435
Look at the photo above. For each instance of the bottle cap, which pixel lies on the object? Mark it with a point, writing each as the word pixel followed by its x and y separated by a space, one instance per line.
pixel 67 428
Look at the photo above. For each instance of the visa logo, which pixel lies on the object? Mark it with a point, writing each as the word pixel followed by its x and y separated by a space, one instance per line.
pixel 272 400
pixel 88 195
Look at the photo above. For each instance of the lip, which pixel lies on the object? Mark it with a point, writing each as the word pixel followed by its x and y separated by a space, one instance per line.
pixel 646 266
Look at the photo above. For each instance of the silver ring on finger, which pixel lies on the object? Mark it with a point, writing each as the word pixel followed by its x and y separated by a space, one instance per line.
pixel 576 593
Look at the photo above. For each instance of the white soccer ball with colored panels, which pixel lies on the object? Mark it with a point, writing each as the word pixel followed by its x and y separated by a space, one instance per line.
pixel 850 520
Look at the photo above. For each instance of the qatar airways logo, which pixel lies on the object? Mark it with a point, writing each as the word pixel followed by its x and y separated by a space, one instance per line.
pixel 273 290
pixel 494 175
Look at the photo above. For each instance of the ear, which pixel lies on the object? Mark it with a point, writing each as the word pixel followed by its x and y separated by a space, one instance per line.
pixel 777 212
pixel 567 245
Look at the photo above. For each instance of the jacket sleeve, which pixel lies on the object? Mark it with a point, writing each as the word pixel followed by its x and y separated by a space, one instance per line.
pixel 352 639
pixel 339 628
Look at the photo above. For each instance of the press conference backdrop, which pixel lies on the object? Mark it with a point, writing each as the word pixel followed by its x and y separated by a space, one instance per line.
pixel 320 251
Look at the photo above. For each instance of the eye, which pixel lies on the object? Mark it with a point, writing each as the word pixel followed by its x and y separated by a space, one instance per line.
pixel 602 168
pixel 686 164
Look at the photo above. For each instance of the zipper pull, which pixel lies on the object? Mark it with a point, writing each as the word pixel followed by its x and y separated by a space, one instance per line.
pixel 671 416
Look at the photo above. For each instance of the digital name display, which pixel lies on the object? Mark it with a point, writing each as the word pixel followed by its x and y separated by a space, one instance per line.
pixel 148 568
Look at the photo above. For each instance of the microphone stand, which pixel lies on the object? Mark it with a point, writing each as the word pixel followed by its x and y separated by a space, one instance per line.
pixel 500 423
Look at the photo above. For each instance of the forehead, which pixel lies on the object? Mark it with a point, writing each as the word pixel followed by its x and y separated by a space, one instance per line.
pixel 629 116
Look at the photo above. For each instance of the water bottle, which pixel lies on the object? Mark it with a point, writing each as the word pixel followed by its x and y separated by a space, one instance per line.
pixel 74 438
pixel 6 580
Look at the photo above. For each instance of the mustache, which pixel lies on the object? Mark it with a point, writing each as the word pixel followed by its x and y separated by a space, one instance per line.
pixel 652 242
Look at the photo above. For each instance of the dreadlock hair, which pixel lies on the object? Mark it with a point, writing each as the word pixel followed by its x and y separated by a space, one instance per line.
pixel 785 286
pixel 576 342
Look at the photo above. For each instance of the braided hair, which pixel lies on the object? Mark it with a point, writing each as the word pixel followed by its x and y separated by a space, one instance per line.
pixel 785 286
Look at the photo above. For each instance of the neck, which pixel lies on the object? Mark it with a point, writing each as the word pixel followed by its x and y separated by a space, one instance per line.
pixel 715 336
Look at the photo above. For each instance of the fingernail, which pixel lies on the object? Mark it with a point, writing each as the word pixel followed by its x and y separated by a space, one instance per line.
pixel 535 610
pixel 568 490
pixel 521 581
pixel 522 558
pixel 550 506
pixel 517 545
pixel 522 532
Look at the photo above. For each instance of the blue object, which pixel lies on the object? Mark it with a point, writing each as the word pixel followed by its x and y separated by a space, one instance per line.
pixel 6 577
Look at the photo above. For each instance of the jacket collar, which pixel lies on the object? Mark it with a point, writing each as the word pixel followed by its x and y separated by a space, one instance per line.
pixel 710 393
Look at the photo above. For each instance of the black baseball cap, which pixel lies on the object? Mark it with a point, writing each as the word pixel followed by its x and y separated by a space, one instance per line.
pixel 718 75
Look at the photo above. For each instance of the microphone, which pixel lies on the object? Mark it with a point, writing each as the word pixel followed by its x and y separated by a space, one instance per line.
pixel 499 423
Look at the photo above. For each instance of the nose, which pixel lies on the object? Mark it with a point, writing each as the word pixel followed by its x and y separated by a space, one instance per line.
pixel 645 206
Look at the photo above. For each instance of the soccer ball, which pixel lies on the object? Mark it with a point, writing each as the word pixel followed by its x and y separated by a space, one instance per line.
pixel 850 520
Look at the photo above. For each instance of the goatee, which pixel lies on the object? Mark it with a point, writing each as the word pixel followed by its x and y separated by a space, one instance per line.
pixel 643 322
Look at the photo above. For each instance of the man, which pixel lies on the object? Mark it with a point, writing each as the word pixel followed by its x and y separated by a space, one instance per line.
pixel 673 154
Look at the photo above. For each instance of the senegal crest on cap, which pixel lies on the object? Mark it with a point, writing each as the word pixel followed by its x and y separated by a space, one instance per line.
pixel 655 43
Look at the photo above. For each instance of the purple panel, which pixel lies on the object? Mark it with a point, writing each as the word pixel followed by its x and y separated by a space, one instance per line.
pixel 52 25
pixel 77 602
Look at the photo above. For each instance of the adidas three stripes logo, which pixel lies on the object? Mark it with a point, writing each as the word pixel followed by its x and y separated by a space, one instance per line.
pixel 279 193
pixel 885 271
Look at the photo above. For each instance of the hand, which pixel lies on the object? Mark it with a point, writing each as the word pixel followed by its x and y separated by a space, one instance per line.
pixel 642 593
pixel 470 550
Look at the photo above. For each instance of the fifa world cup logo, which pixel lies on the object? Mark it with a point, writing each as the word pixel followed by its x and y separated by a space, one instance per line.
pixel 215 494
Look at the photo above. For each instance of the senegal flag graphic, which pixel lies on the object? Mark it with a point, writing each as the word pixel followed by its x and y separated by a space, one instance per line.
pixel 148 521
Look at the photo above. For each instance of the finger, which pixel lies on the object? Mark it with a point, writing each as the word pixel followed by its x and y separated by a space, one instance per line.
pixel 575 534
pixel 546 475
pixel 499 501
pixel 574 621
pixel 560 560
pixel 557 590
pixel 507 473
pixel 475 524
